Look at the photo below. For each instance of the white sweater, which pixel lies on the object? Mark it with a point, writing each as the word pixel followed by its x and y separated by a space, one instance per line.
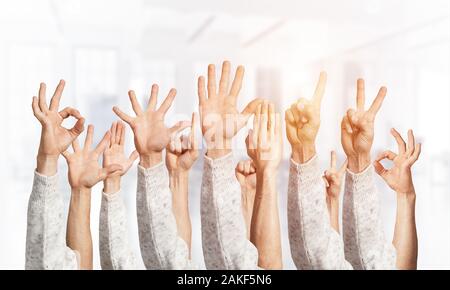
pixel 314 244
pixel 365 245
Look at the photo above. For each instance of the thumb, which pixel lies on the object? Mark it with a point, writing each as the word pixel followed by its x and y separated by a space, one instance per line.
pixel 249 140
pixel 109 170
pixel 248 111
pixel 77 129
pixel 379 169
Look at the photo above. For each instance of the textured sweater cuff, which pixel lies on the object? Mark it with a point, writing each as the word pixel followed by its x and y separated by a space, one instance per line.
pixel 306 171
pixel 221 167
pixel 360 184
pixel 154 176
pixel 43 180
pixel 111 196
pixel 43 187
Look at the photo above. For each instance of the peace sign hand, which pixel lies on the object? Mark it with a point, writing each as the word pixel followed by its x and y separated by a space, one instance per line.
pixel 333 177
pixel 357 129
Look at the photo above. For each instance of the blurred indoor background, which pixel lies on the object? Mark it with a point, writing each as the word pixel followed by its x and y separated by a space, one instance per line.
pixel 102 48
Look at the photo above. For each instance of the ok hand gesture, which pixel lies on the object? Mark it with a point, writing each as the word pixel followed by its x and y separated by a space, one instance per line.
pixel 55 138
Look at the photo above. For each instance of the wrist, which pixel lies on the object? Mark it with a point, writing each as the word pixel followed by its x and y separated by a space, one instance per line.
pixel 217 153
pixel 218 148
pixel 111 185
pixel 47 164
pixel 409 196
pixel 358 163
pixel 303 153
pixel 81 191
pixel 150 159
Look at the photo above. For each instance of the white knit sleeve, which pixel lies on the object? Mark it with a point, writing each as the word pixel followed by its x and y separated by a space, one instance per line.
pixel 224 234
pixel 46 242
pixel 314 243
pixel 365 245
pixel 115 250
pixel 161 246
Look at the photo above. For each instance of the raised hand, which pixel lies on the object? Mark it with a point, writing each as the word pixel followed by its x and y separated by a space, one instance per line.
pixel 264 146
pixel 303 122
pixel 115 155
pixel 83 163
pixel 357 129
pixel 399 176
pixel 182 151
pixel 333 183
pixel 55 139
pixel 246 175
pixel 264 142
pixel 220 118
pixel 333 177
pixel 151 135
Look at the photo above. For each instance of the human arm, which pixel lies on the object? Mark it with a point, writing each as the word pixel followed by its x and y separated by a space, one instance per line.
pixel 160 242
pixel 45 243
pixel 115 250
pixel 399 178
pixel 264 146
pixel 246 175
pixel 84 173
pixel 333 182
pixel 365 244
pixel 314 243
pixel 225 243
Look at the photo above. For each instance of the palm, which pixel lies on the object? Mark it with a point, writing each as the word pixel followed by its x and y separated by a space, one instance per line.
pixel 218 112
pixel 56 138
pixel 220 118
pixel 150 133
pixel 115 155
pixel 84 171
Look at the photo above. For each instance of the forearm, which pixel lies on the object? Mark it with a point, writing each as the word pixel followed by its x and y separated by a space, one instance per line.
pixel 265 228
pixel 304 152
pixel 248 198
pixel 333 210
pixel 149 160
pixel 46 165
pixel 405 233
pixel 78 235
pixel 365 244
pixel 179 182
pixel 359 162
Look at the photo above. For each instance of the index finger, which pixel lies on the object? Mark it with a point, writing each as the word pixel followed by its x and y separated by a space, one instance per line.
pixel 54 103
pixel 333 159
pixel 376 105
pixel 320 88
